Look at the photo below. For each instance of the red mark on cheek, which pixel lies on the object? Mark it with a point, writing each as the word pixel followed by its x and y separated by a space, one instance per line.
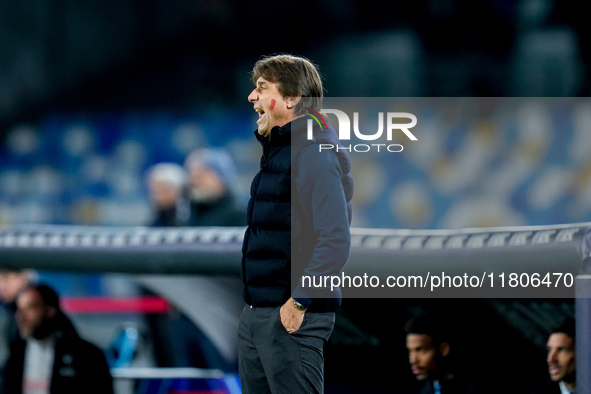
pixel 273 101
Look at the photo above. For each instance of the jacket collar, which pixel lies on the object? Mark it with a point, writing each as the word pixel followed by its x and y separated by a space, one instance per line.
pixel 282 135
pixel 279 136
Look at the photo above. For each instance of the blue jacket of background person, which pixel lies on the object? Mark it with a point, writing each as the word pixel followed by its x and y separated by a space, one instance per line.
pixel 298 215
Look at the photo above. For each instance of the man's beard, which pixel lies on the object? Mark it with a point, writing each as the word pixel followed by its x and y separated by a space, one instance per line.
pixel 570 377
pixel 203 196
pixel 43 330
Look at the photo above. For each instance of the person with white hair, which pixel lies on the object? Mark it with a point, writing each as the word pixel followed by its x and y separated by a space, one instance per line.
pixel 167 183
pixel 198 194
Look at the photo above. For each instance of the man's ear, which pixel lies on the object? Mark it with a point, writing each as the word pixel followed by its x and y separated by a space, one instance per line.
pixel 444 349
pixel 293 101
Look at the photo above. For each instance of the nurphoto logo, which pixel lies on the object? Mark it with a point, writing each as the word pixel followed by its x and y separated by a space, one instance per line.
pixel 344 130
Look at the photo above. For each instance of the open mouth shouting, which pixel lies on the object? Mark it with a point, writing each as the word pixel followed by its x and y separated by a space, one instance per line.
pixel 268 102
pixel 261 115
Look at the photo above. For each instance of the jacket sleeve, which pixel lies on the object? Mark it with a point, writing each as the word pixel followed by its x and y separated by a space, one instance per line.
pixel 97 375
pixel 12 372
pixel 319 187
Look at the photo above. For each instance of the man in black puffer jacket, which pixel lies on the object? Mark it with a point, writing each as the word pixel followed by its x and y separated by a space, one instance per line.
pixel 298 225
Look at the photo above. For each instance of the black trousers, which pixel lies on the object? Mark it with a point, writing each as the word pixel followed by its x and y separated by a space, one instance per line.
pixel 271 360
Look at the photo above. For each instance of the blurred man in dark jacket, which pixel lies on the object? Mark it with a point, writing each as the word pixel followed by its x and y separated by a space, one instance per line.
pixel 199 194
pixel 429 344
pixel 49 357
pixel 212 173
pixel 561 359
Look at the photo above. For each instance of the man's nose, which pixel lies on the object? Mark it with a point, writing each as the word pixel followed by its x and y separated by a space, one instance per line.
pixel 551 357
pixel 253 96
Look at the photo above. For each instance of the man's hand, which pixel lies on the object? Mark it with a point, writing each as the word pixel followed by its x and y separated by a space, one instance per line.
pixel 291 317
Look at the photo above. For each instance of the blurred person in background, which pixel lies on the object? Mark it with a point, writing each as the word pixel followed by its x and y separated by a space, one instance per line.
pixel 428 340
pixel 49 357
pixel 11 283
pixel 199 194
pixel 212 200
pixel 167 184
pixel 167 187
pixel 561 360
